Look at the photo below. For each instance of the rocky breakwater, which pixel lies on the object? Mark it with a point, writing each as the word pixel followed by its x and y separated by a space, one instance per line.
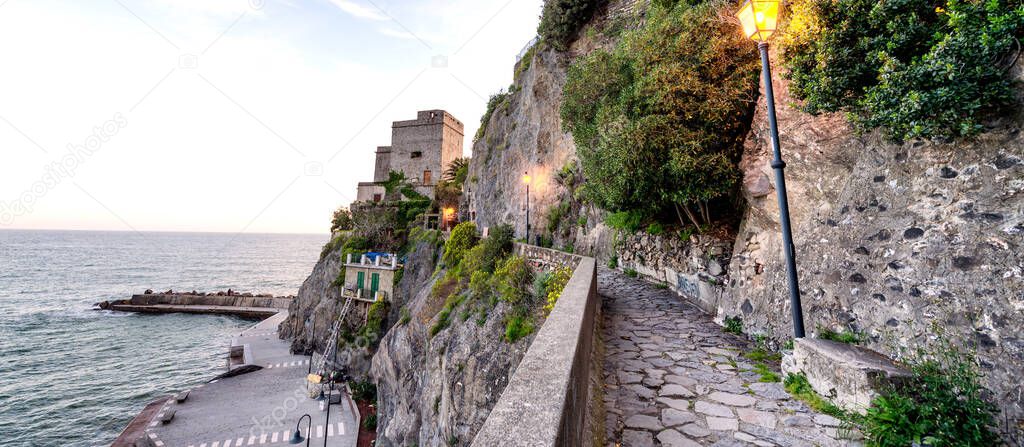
pixel 906 244
pixel 246 305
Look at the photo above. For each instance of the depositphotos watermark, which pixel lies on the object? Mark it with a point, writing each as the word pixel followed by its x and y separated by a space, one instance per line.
pixel 59 170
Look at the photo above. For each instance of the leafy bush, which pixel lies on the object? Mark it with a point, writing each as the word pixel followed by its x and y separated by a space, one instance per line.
pixel 554 286
pixel 659 120
pixel 463 238
pixel 915 68
pixel 655 228
pixel 734 325
pixel 632 273
pixel 613 262
pixel 517 327
pixel 630 221
pixel 404 316
pixel 375 318
pixel 561 20
pixel 555 216
pixel 941 405
pixel 497 246
pixel 767 375
pixel 363 390
pixel 370 422
pixel 513 279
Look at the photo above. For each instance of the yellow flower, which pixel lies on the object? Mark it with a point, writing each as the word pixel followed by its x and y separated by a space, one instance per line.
pixel 939 10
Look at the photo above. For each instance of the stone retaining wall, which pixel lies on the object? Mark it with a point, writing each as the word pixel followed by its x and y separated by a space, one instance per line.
pixel 547 256
pixel 546 401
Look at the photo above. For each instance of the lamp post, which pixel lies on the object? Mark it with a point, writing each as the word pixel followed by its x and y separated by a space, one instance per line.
pixel 297 437
pixel 759 19
pixel 526 181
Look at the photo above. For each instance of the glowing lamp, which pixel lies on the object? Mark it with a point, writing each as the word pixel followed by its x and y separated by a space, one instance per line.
pixel 449 212
pixel 526 179
pixel 759 18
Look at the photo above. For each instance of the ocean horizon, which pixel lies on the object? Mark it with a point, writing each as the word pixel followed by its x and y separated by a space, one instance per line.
pixel 74 376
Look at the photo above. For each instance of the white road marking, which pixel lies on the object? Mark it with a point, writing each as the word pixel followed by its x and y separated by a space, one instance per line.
pixel 215 444
pixel 285 436
pixel 252 440
pixel 319 431
pixel 263 438
pixel 341 428
pixel 239 442
pixel 273 438
pixel 330 430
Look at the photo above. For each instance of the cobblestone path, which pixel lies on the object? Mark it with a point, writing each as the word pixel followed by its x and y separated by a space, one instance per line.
pixel 674 378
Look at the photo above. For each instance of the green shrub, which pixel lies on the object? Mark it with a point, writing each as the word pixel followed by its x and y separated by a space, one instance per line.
pixel 540 285
pixel 915 68
pixel 497 246
pixel 630 221
pixel 632 273
pixel 555 285
pixel 561 20
pixel 364 390
pixel 613 262
pixel 513 279
pixel 941 405
pixel 581 221
pixel 342 220
pixel 734 325
pixel 370 422
pixel 848 337
pixel 496 100
pixel 800 388
pixel 767 375
pixel 463 238
pixel 655 229
pixel 659 120
pixel 517 327
pixel 375 318
pixel 404 316
pixel 555 216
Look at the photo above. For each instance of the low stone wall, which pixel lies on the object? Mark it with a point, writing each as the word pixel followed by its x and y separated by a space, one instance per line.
pixel 547 399
pixel 210 300
pixel 546 256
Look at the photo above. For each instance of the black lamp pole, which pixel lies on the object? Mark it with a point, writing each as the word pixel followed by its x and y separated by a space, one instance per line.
pixel 327 421
pixel 780 185
pixel 297 436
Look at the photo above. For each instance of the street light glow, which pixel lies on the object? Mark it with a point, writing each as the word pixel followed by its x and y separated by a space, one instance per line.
pixel 526 178
pixel 759 18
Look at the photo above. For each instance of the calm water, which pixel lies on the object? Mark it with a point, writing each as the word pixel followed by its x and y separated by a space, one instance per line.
pixel 72 376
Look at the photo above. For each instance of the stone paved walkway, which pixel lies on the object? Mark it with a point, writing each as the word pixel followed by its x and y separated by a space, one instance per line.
pixel 674 378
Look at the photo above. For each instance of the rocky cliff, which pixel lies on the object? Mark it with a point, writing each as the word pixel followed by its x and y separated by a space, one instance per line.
pixel 430 390
pixel 905 244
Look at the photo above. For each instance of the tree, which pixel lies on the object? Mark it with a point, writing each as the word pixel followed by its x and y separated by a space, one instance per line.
pixel 659 120
pixel 342 220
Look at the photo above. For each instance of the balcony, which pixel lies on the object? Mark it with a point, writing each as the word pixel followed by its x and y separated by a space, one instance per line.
pixel 351 291
pixel 386 261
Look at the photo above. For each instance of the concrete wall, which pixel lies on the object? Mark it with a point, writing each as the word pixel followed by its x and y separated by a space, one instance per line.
pixel 210 300
pixel 365 191
pixel 387 278
pixel 547 399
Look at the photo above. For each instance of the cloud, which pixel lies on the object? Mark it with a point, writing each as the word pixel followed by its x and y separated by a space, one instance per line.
pixel 359 11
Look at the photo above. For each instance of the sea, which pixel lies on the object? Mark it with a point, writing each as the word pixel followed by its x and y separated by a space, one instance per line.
pixel 71 375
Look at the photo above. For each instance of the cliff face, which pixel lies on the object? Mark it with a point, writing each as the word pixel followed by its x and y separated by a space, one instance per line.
pixel 430 390
pixel 900 242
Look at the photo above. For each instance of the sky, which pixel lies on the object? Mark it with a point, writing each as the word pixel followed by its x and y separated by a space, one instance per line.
pixel 254 116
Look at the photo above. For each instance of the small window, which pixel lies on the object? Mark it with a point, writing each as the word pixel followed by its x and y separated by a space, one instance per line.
pixel 417 154
pixel 426 177
pixel 376 197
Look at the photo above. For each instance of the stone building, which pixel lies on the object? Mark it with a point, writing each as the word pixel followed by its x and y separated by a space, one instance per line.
pixel 421 149
pixel 369 277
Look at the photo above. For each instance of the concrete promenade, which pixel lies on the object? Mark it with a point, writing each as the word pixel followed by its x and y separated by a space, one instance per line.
pixel 255 409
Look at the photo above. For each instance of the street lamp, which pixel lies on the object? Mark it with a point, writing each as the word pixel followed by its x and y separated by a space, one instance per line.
pixel 297 437
pixel 327 400
pixel 449 213
pixel 526 181
pixel 760 19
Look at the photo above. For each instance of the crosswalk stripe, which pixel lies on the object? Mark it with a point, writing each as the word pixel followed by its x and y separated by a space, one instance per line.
pixel 252 440
pixel 227 443
pixel 263 438
pixel 239 441
pixel 330 430
pixel 319 431
pixel 273 437
pixel 341 428
pixel 285 436
pixel 215 444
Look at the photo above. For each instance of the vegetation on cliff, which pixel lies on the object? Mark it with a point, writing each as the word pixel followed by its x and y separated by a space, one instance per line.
pixel 914 68
pixel 561 20
pixel 659 120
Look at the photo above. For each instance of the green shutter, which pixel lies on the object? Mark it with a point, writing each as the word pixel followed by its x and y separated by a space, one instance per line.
pixel 360 279
pixel 374 282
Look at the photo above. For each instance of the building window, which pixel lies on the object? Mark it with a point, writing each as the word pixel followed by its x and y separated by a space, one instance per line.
pixel 426 177
pixel 417 154
pixel 376 197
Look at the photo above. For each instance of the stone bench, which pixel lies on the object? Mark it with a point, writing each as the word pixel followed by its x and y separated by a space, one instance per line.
pixel 181 397
pixel 850 376
pixel 167 417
